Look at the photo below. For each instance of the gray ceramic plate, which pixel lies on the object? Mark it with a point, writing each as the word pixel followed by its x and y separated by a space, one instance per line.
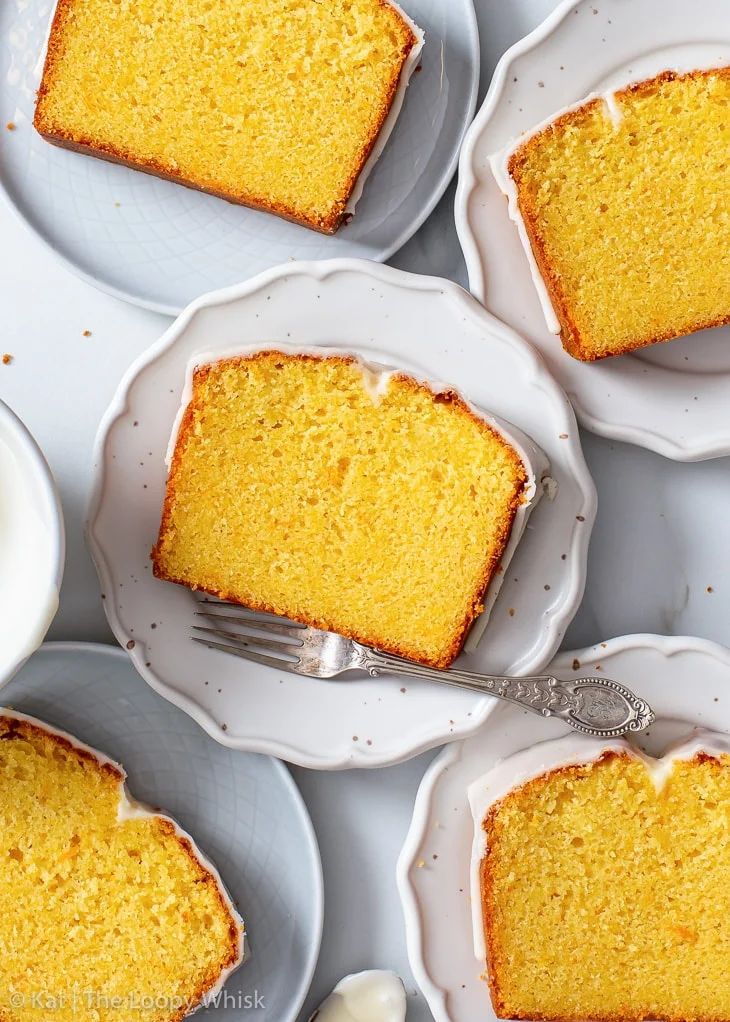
pixel 161 245
pixel 244 810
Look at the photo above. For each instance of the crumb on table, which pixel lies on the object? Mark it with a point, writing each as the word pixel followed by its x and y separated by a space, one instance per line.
pixel 86 333
pixel 7 359
pixel 10 125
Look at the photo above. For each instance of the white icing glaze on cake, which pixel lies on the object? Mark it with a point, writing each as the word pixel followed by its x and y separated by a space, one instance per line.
pixel 499 163
pixel 409 66
pixel 547 757
pixel 373 996
pixel 131 809
pixel 376 378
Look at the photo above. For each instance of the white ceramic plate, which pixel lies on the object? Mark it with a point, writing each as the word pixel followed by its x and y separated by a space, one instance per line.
pixel 427 326
pixel 32 544
pixel 671 398
pixel 685 680
pixel 161 245
pixel 245 812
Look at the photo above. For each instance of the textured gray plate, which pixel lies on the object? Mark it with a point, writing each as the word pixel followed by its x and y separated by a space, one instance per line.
pixel 244 810
pixel 162 245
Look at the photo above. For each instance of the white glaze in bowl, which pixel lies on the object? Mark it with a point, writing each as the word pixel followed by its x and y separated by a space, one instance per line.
pixel 32 545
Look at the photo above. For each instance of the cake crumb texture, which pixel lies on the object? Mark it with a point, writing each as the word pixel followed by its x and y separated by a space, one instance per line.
pixel 604 899
pixel 270 103
pixel 628 213
pixel 300 486
pixel 95 908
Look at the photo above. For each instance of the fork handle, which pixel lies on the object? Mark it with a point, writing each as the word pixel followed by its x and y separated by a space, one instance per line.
pixel 594 706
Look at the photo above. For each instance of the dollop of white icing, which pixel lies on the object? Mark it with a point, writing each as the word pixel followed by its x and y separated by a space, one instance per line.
pixel 546 757
pixel 373 996
pixel 376 379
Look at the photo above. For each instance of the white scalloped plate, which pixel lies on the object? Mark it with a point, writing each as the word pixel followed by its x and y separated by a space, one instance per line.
pixel 670 398
pixel 161 245
pixel 246 812
pixel 685 680
pixel 429 327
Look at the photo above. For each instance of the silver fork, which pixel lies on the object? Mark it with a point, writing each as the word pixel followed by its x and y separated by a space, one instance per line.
pixel 593 706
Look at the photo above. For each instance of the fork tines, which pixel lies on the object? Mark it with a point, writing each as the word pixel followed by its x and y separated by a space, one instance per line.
pixel 253 631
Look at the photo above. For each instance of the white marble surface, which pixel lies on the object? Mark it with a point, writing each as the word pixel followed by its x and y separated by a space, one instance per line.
pixel 662 536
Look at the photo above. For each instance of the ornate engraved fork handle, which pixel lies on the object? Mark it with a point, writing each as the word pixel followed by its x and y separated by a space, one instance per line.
pixel 593 706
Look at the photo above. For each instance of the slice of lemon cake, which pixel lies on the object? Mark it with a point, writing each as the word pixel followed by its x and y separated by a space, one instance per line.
pixel 601 881
pixel 357 501
pixel 623 205
pixel 109 911
pixel 283 105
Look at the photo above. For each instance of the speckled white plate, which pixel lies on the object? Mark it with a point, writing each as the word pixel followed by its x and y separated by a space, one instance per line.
pixel 685 680
pixel 427 326
pixel 671 398
pixel 161 245
pixel 245 812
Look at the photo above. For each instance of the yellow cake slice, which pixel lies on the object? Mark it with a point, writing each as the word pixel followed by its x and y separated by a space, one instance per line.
pixel 623 203
pixel 109 913
pixel 282 105
pixel 357 501
pixel 601 881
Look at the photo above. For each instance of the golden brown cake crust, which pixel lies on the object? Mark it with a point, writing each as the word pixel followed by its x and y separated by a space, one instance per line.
pixel 207 878
pixel 111 154
pixel 570 336
pixel 446 397
pixel 14 728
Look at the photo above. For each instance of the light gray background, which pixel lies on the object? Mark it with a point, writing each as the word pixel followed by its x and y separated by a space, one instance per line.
pixel 662 536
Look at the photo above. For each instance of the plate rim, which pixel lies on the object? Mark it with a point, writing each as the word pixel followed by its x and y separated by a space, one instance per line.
pixel 441 183
pixel 467 173
pixel 410 906
pixel 285 776
pixel 676 448
pixel 320 270
pixel 36 465
pixel 436 997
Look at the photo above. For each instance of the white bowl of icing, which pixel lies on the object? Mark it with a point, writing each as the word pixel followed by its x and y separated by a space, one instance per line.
pixel 32 545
